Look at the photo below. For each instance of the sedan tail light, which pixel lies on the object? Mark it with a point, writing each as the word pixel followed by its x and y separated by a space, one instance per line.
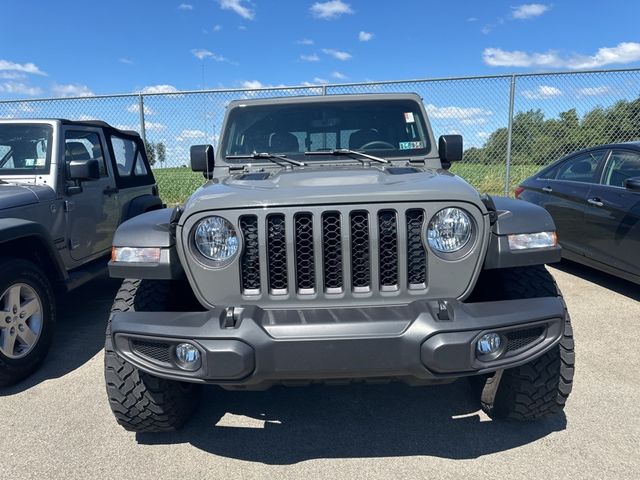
pixel 519 189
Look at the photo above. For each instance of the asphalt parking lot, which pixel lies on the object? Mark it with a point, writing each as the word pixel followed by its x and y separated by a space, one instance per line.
pixel 57 424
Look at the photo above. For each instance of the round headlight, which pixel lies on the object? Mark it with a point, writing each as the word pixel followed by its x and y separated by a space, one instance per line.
pixel 216 239
pixel 449 230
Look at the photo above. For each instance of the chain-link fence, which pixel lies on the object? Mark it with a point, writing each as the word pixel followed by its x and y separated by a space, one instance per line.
pixel 512 124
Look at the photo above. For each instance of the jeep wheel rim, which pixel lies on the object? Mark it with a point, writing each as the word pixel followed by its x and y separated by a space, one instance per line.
pixel 20 320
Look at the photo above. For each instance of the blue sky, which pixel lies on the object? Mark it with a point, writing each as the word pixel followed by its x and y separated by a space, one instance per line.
pixel 67 48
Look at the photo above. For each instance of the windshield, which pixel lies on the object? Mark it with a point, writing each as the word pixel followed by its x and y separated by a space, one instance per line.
pixel 25 149
pixel 387 128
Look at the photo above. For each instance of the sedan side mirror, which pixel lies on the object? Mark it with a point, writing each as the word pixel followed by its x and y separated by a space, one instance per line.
pixel 632 184
pixel 88 169
pixel 202 159
pixel 450 149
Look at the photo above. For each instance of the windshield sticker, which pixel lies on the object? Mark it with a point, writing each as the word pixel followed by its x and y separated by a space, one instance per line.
pixel 411 145
pixel 408 117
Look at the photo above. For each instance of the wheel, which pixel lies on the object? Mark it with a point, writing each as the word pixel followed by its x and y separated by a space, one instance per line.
pixel 139 401
pixel 540 388
pixel 27 318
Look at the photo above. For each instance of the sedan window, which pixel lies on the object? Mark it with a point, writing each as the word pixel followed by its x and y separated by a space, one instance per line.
pixel 581 168
pixel 623 164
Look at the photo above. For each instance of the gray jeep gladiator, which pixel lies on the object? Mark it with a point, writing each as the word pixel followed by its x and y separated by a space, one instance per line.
pixel 332 244
pixel 64 188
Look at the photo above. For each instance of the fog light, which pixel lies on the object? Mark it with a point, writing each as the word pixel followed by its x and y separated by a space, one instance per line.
pixel 187 356
pixel 489 345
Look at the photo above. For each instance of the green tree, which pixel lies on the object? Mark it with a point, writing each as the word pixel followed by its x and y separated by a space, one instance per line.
pixel 150 148
pixel 161 152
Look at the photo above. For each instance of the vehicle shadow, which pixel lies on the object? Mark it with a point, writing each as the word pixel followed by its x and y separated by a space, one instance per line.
pixel 290 425
pixel 610 282
pixel 81 322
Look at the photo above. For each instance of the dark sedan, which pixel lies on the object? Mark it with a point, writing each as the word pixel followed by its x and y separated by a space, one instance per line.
pixel 594 197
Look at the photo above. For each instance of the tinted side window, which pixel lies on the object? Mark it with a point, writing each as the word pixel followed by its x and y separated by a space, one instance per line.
pixel 125 152
pixel 623 164
pixel 81 145
pixel 581 168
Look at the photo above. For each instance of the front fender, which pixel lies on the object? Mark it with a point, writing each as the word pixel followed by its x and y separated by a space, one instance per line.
pixel 513 217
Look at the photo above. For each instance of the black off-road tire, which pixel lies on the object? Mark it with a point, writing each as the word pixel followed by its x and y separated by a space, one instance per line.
pixel 540 388
pixel 139 401
pixel 12 271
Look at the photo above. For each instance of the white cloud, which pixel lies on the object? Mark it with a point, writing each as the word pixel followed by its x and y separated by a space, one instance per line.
pixel 159 89
pixel 337 54
pixel 472 19
pixel 237 7
pixel 529 10
pixel 17 88
pixel 12 76
pixel 154 126
pixel 483 135
pixel 625 52
pixel 31 68
pixel 465 115
pixel 135 108
pixel 593 91
pixel 202 53
pixel 217 28
pixel 304 41
pixel 185 6
pixel 542 92
pixel 365 36
pixel 127 61
pixel 253 84
pixel 320 81
pixel 310 58
pixel 190 134
pixel 71 90
pixel 486 29
pixel 339 75
pixel 331 9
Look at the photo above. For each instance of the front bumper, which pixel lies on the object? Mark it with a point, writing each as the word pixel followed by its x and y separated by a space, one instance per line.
pixel 419 342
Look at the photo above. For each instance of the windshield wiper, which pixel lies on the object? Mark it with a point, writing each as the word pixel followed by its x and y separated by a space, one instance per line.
pixel 346 151
pixel 267 156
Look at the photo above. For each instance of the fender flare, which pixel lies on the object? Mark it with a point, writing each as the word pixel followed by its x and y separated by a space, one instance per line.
pixel 17 228
pixel 512 216
pixel 142 204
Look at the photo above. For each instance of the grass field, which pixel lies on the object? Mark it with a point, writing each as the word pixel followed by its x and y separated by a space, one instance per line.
pixel 176 184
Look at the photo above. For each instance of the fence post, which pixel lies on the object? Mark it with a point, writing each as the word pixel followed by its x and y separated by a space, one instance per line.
pixel 324 89
pixel 143 132
pixel 507 174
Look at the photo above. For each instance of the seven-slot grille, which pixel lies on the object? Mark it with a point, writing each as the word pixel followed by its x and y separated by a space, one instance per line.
pixel 332 252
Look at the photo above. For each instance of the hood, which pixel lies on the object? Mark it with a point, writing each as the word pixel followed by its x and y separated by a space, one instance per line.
pixel 14 195
pixel 331 185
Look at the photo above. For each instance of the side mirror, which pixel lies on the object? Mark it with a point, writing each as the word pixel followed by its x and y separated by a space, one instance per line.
pixel 450 149
pixel 202 159
pixel 632 184
pixel 83 169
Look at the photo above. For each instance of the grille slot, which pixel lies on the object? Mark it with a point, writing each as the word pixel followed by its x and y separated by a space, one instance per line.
pixel 388 248
pixel 305 263
pixel 332 252
pixel 277 254
pixel 250 261
pixel 522 338
pixel 416 255
pixel 360 251
pixel 154 350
